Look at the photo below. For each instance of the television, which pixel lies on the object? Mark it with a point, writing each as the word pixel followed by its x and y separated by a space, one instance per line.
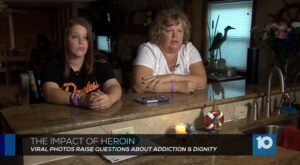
pixel 104 43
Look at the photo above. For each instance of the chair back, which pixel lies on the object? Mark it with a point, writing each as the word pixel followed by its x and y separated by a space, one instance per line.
pixel 3 64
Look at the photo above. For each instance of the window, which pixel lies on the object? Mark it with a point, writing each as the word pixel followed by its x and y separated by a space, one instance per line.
pixel 237 15
pixel 104 43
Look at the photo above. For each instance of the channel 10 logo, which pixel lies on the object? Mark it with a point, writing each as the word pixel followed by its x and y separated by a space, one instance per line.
pixel 264 144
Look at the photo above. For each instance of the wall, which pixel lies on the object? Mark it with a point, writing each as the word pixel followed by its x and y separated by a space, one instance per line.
pixel 40 20
pixel 197 24
pixel 47 17
pixel 130 5
pixel 128 42
pixel 26 27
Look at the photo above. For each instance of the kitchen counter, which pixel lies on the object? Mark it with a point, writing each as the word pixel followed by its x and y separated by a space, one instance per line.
pixel 50 118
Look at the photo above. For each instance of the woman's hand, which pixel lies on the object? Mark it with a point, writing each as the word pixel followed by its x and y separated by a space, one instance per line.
pixel 186 87
pixel 98 100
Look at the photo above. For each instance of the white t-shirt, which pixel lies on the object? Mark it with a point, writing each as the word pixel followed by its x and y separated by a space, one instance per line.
pixel 151 56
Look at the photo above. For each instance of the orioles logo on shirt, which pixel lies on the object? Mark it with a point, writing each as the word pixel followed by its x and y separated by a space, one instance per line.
pixel 88 88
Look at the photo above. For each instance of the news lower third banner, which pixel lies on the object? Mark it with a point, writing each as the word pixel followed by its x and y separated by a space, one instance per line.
pixel 7 144
pixel 59 144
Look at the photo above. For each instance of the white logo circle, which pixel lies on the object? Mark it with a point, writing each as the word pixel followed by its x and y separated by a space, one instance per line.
pixel 262 142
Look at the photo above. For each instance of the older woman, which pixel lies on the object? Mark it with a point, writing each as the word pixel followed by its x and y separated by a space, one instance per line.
pixel 169 63
pixel 76 79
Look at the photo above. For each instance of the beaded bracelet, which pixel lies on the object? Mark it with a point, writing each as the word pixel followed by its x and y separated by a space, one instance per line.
pixel 173 84
pixel 75 99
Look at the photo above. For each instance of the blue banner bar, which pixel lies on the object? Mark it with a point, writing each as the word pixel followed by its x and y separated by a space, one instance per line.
pixel 1 144
pixel 10 145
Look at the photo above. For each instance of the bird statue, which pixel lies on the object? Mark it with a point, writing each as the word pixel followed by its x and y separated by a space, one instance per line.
pixel 218 41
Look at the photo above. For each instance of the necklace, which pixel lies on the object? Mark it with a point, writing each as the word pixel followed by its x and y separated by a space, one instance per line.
pixel 172 63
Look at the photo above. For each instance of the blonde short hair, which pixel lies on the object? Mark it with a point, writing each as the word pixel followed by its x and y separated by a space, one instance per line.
pixel 167 18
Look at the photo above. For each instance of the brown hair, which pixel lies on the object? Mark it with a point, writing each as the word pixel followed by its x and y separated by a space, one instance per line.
pixel 88 62
pixel 165 19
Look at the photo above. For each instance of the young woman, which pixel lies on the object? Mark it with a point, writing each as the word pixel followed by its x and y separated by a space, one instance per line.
pixel 169 63
pixel 76 79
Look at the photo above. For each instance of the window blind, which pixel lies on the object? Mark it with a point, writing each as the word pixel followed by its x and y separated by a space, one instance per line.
pixel 237 15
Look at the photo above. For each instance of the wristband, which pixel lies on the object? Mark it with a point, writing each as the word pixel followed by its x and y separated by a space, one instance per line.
pixel 75 99
pixel 173 84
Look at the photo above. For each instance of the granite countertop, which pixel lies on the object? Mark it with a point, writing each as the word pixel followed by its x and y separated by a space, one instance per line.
pixel 50 118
